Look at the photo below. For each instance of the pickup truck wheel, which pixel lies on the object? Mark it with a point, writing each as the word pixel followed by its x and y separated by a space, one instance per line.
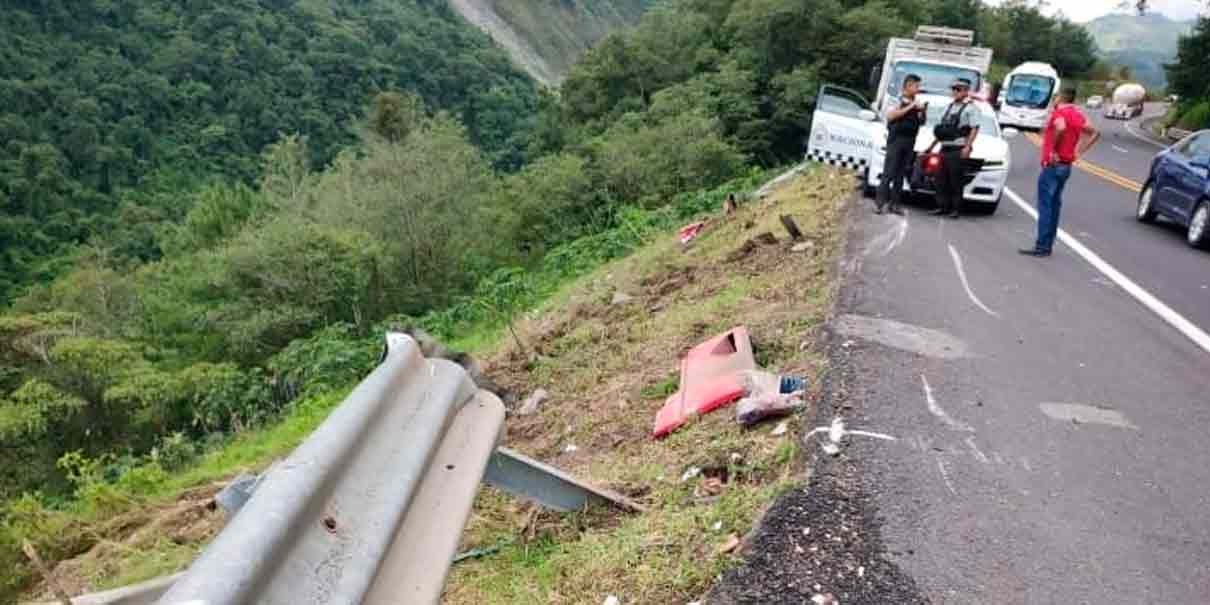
pixel 1145 213
pixel 1198 235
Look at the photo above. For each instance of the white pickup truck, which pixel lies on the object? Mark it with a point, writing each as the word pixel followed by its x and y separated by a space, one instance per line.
pixel 847 130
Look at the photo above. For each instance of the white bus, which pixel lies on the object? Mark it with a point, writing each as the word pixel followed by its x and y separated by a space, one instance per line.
pixel 1026 96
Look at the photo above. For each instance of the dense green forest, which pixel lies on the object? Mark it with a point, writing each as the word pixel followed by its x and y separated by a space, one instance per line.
pixel 110 108
pixel 1187 77
pixel 210 211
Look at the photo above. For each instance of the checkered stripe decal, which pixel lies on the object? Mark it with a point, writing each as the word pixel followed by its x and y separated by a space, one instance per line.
pixel 837 159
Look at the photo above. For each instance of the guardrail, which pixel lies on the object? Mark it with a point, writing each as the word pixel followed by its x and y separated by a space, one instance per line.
pixel 371 507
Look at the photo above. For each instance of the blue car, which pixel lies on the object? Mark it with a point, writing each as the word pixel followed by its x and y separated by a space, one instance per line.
pixel 1178 188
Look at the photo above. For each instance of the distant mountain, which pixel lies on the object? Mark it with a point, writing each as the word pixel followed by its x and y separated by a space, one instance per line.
pixel 1142 43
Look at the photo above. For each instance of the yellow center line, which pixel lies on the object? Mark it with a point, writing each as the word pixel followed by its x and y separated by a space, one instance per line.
pixel 1096 170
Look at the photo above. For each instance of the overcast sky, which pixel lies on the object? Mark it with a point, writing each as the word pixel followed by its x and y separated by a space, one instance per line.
pixel 1086 10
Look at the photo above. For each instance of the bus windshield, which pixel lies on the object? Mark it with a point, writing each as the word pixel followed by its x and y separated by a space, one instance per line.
pixel 936 79
pixel 1028 90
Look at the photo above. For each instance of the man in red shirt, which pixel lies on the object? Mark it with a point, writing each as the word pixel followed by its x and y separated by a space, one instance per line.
pixel 1060 149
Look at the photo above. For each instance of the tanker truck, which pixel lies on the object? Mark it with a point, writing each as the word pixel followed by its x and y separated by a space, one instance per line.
pixel 1127 102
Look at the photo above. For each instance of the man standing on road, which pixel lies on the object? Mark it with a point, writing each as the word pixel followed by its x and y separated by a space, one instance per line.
pixel 1060 149
pixel 956 134
pixel 903 124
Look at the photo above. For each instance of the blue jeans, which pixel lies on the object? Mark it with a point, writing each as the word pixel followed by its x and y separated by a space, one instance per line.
pixel 1050 203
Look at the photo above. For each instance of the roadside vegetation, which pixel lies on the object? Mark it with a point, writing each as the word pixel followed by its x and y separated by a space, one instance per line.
pixel 1187 79
pixel 208 305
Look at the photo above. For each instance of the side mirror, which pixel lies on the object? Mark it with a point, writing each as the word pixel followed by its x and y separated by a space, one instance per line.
pixel 867 115
pixel 1011 133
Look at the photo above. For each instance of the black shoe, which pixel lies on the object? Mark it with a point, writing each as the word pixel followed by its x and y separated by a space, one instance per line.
pixel 938 211
pixel 896 210
pixel 954 214
pixel 877 209
pixel 1034 252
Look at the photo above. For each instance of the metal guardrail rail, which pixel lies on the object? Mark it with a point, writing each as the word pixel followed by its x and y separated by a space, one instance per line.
pixel 371 507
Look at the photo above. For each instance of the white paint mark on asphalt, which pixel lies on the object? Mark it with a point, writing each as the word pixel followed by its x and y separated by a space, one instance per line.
pixel 1087 414
pixel 945 475
pixel 1176 320
pixel 901 231
pixel 966 284
pixel 936 410
pixel 1120 149
pixel 998 458
pixel 837 432
pixel 970 442
pixel 1025 464
pixel 1142 137
pixel 905 337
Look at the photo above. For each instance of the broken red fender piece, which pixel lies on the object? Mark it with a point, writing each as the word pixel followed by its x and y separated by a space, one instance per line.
pixel 710 379
pixel 690 231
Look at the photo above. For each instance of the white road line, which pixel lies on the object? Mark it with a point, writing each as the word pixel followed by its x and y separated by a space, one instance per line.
pixel 1130 129
pixel 945 475
pixel 936 410
pixel 901 232
pixel 1120 149
pixel 966 284
pixel 1176 320
pixel 970 441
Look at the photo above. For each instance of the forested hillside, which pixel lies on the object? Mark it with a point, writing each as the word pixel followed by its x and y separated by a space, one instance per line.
pixel 1143 43
pixel 217 208
pixel 547 36
pixel 110 110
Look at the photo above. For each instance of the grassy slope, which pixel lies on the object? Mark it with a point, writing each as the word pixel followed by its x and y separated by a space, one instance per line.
pixel 608 369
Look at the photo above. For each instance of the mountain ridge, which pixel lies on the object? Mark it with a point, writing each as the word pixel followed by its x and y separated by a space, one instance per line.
pixel 1142 43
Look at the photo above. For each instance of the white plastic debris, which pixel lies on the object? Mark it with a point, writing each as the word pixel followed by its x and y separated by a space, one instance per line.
pixel 718 526
pixel 691 473
pixel 531 404
pixel 612 600
pixel 780 429
pixel 570 449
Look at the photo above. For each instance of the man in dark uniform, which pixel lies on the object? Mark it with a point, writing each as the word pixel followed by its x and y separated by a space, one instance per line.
pixel 903 124
pixel 956 134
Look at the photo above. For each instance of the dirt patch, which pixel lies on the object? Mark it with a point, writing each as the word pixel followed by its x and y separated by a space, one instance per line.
pixel 192 520
pixel 668 281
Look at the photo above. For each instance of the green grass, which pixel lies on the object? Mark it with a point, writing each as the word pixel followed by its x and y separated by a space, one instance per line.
pixel 609 371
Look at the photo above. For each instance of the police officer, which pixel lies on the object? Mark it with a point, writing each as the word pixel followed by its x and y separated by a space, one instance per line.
pixel 956 134
pixel 903 124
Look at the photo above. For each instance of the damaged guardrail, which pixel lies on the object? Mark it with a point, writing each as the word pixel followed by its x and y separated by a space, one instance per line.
pixel 371 507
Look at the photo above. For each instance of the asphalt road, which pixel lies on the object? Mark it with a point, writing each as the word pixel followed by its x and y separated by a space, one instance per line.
pixel 1052 433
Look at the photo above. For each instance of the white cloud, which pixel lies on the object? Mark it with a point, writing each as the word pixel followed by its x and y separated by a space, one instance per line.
pixel 1087 10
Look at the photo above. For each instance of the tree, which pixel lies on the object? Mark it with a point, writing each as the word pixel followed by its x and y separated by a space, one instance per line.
pixel 1187 74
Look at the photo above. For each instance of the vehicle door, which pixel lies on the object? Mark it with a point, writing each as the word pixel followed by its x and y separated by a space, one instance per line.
pixel 1182 180
pixel 1166 167
pixel 1192 175
pixel 843 129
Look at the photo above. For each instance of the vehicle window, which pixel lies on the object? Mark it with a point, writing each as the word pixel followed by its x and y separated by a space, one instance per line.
pixel 841 102
pixel 1199 146
pixel 935 79
pixel 1029 91
pixel 1191 143
pixel 987 122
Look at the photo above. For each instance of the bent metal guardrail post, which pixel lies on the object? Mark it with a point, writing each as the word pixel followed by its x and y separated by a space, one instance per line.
pixel 371 507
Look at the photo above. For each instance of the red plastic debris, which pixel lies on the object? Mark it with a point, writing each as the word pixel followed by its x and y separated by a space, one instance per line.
pixel 690 231
pixel 711 377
